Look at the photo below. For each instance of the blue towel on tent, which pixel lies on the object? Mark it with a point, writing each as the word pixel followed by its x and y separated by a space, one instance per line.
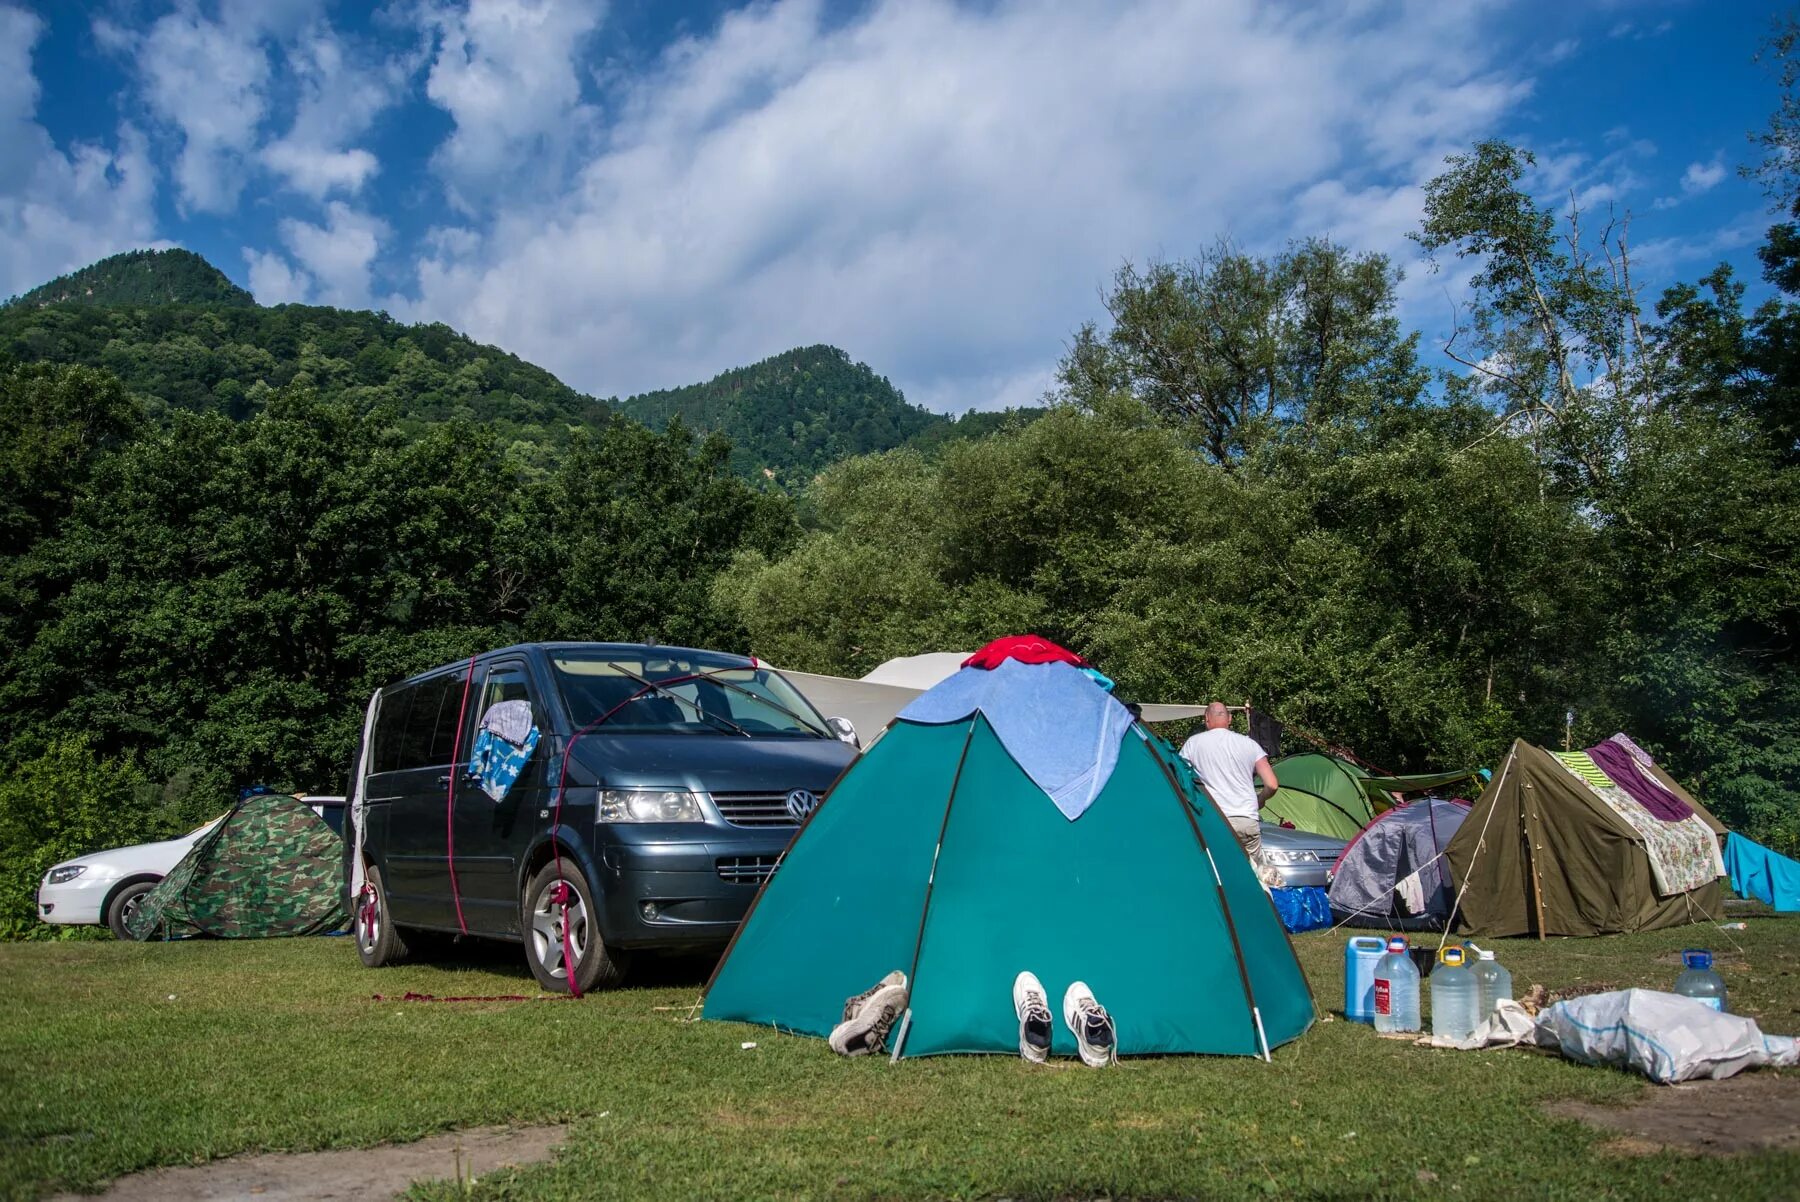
pixel 1302 908
pixel 1061 728
pixel 1766 876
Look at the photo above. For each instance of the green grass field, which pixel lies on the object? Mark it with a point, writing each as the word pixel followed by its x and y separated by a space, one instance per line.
pixel 117 1057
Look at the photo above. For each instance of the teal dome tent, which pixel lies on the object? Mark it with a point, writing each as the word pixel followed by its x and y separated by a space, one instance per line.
pixel 1009 820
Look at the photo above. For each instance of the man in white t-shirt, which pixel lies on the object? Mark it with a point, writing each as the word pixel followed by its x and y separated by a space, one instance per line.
pixel 1227 763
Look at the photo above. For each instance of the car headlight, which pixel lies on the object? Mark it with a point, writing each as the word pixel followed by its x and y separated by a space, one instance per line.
pixel 647 805
pixel 1292 857
pixel 65 874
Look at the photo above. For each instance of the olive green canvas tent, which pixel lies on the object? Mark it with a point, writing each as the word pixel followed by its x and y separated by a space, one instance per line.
pixel 270 867
pixel 940 854
pixel 1544 853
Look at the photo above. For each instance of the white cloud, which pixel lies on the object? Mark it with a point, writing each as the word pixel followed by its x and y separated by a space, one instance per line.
pixel 337 257
pixel 59 209
pixel 506 72
pixel 945 188
pixel 275 281
pixel 338 98
pixel 207 79
pixel 1702 177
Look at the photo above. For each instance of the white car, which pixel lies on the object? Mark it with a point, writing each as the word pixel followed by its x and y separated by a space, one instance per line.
pixel 106 886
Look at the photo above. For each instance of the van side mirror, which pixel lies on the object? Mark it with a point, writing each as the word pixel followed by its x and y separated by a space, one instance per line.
pixel 845 730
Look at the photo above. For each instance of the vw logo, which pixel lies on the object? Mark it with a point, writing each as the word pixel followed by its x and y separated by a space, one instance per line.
pixel 800 803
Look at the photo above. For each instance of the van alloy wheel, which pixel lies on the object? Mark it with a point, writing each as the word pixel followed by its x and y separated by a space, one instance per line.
pixel 559 929
pixel 378 940
pixel 557 905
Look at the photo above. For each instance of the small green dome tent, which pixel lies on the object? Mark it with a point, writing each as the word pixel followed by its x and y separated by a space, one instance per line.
pixel 1323 794
pixel 939 854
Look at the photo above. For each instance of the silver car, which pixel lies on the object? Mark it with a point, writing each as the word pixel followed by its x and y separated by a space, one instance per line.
pixel 1300 857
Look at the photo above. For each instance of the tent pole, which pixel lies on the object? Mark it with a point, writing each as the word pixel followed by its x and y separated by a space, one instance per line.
pixel 912 973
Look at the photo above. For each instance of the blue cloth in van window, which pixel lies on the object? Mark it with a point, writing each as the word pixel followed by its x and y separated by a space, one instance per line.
pixel 496 761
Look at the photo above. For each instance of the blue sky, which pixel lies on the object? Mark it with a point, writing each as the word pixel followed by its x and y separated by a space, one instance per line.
pixel 639 194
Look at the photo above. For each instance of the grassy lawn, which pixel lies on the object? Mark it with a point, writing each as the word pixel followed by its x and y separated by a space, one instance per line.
pixel 116 1057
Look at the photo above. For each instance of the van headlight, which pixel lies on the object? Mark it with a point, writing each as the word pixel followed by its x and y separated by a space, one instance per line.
pixel 65 874
pixel 650 805
pixel 1291 857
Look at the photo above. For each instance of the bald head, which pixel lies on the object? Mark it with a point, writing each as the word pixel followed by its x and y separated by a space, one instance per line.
pixel 1217 716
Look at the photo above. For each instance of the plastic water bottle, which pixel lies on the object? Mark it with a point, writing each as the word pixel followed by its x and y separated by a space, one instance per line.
pixel 1396 990
pixel 1455 996
pixel 1699 981
pixel 1493 981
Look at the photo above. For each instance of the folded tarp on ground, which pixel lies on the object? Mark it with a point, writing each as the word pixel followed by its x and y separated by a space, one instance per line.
pixel 1762 875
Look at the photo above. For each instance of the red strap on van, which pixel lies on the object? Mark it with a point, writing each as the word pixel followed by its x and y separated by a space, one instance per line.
pixel 563 888
pixel 450 805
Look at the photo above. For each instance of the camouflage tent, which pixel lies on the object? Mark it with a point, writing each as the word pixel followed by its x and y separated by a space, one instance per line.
pixel 271 867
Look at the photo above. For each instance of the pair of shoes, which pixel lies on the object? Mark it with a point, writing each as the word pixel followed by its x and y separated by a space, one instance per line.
pixel 869 1016
pixel 1092 1026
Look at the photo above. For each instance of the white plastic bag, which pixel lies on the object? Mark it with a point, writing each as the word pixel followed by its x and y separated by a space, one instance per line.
pixel 1508 1026
pixel 1664 1036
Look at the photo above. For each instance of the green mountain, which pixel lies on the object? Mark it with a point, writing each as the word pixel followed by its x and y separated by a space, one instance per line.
pixel 181 336
pixel 226 356
pixel 792 414
pixel 141 277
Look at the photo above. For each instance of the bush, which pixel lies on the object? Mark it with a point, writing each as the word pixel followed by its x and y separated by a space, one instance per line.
pixel 66 802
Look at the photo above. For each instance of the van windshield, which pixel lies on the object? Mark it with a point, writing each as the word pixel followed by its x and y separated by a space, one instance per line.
pixel 701 697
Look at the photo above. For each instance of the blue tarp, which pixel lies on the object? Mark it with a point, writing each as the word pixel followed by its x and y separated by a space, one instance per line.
pixel 1303 908
pixel 1762 875
pixel 1061 728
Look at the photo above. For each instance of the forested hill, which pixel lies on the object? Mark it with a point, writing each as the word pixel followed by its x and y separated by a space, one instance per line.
pixel 223 355
pixel 793 414
pixel 141 277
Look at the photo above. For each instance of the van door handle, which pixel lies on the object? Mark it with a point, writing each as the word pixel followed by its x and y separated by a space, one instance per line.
pixel 444 779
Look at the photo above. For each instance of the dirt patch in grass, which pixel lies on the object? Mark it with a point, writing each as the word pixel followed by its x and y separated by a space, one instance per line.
pixel 379 1172
pixel 1752 1112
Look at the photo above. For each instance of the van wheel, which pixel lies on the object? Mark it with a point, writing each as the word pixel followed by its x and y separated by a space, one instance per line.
pixel 123 905
pixel 562 928
pixel 378 940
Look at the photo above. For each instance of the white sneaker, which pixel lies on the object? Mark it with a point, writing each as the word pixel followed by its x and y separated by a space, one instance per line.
pixel 1092 1025
pixel 874 1012
pixel 1033 1009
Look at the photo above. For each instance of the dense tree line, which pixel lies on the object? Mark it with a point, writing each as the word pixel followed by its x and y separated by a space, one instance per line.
pixel 1250 488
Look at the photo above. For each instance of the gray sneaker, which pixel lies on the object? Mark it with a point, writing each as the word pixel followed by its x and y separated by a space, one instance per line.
pixel 1093 1027
pixel 866 1030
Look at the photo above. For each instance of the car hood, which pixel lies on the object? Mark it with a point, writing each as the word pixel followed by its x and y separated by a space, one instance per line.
pixel 140 857
pixel 1283 839
pixel 710 763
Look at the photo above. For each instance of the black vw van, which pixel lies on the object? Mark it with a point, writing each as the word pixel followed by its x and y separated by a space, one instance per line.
pixel 662 786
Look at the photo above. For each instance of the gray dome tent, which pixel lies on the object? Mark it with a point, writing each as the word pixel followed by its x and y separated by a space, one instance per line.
pixel 1394 875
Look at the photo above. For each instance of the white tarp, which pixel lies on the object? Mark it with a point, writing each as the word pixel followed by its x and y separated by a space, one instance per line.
pixel 871 702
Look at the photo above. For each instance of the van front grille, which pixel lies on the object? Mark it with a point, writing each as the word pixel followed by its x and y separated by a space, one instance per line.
pixel 747 870
pixel 754 809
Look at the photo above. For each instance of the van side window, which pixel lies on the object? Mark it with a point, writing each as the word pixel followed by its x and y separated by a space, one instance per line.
pixel 390 729
pixel 428 717
pixel 505 683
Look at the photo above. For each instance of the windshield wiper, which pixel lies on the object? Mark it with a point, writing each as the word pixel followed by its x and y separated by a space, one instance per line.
pixel 768 701
pixel 673 695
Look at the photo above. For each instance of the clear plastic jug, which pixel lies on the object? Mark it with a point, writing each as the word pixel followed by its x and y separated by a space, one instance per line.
pixel 1396 990
pixel 1455 996
pixel 1493 982
pixel 1699 981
